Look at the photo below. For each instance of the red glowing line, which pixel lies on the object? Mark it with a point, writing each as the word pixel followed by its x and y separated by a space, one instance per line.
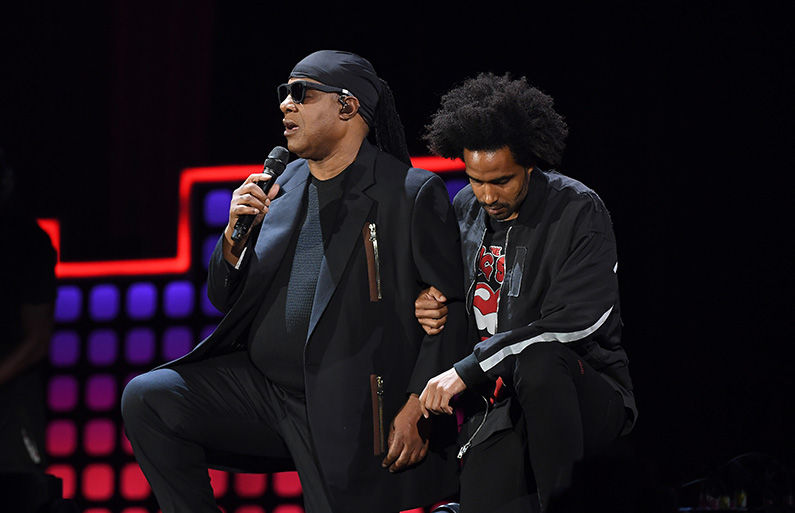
pixel 182 261
pixel 437 164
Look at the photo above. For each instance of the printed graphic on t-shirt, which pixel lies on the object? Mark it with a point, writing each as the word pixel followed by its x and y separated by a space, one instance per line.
pixel 491 272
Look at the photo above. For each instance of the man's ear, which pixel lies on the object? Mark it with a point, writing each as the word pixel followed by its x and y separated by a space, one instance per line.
pixel 349 107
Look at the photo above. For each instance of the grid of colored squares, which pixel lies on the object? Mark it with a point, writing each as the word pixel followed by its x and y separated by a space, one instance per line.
pixel 141 302
pixel 102 482
pixel 106 333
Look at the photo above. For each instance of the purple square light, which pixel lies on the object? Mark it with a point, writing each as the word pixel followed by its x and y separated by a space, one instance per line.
pixel 177 342
pixel 179 299
pixel 69 303
pixel 139 346
pixel 141 301
pixel 62 393
pixel 101 392
pixel 103 347
pixel 216 207
pixel 64 348
pixel 103 302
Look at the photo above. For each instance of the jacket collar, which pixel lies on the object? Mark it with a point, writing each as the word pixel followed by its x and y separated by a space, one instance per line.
pixel 471 240
pixel 282 221
pixel 360 175
pixel 352 215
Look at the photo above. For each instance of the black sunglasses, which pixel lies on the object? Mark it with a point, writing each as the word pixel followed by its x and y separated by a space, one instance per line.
pixel 297 90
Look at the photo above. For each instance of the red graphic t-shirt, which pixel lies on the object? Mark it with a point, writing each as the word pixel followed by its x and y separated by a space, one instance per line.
pixel 490 275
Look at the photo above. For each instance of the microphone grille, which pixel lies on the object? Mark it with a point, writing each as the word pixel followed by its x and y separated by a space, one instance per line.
pixel 277 159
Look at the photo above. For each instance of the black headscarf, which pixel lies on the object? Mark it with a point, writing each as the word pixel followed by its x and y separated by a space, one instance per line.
pixel 349 71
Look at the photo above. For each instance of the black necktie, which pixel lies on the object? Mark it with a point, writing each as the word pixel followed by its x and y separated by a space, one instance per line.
pixel 306 267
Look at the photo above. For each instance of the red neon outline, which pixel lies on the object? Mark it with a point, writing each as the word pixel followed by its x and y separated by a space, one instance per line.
pixel 181 262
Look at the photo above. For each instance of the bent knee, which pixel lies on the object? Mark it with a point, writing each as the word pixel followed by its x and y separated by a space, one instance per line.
pixel 143 392
pixel 132 397
pixel 539 363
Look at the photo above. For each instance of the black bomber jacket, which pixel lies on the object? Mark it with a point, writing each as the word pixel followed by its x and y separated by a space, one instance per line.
pixel 560 282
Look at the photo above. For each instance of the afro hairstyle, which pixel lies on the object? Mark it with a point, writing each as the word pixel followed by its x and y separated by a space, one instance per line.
pixel 489 112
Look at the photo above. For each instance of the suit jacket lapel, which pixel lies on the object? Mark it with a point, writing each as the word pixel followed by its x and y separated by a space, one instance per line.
pixel 353 212
pixel 278 227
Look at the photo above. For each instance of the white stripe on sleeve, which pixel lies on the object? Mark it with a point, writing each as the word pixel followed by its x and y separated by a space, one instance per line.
pixel 513 349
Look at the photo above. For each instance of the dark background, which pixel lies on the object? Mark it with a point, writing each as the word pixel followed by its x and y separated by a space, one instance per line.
pixel 680 116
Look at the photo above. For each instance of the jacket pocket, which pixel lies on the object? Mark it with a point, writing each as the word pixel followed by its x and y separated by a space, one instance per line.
pixel 517 272
pixel 377 395
pixel 373 262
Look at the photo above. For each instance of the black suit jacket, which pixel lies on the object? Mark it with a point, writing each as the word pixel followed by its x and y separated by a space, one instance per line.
pixel 352 336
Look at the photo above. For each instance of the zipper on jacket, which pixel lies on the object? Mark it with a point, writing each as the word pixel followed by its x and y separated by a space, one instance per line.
pixel 468 444
pixel 470 292
pixel 502 292
pixel 374 240
pixel 377 397
pixel 380 393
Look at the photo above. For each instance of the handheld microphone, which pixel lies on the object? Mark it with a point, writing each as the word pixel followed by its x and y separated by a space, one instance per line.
pixel 274 165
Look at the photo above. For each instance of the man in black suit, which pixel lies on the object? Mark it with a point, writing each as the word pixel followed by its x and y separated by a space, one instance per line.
pixel 319 361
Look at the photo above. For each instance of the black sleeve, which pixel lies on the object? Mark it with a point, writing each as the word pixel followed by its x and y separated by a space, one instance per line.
pixel 437 256
pixel 581 304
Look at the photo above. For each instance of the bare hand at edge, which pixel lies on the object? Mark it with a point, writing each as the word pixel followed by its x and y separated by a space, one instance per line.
pixel 439 391
pixel 408 437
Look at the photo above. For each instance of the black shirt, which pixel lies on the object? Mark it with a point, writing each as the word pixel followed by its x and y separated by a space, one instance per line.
pixel 276 350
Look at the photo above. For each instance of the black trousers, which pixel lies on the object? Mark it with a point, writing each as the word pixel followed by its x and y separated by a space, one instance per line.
pixel 177 419
pixel 566 412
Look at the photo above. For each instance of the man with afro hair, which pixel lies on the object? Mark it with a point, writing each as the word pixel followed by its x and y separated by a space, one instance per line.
pixel 547 381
